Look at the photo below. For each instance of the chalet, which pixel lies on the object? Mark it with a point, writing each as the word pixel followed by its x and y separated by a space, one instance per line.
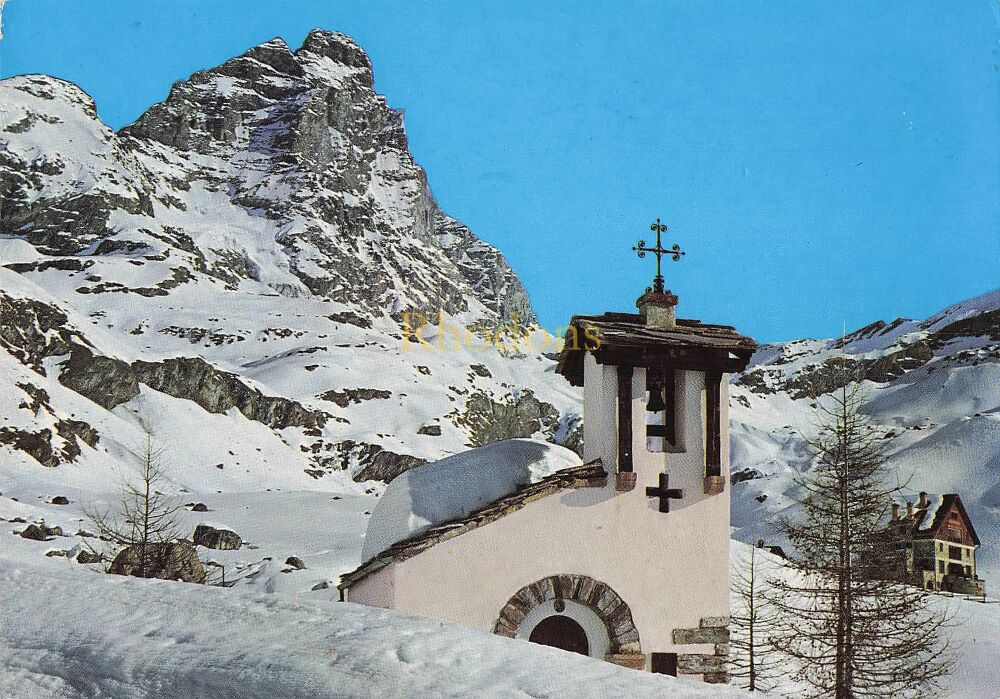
pixel 935 544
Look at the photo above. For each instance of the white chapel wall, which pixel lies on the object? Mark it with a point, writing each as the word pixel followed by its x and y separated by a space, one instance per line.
pixel 672 568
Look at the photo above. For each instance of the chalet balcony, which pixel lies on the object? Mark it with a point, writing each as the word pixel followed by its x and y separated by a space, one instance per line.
pixel 963 585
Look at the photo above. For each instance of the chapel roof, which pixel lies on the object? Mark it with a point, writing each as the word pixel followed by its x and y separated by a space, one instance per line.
pixel 588 475
pixel 626 338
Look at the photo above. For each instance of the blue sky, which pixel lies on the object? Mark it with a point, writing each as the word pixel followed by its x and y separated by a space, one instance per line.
pixel 822 163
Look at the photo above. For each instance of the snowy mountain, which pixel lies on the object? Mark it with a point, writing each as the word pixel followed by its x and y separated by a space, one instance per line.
pixel 234 271
pixel 932 389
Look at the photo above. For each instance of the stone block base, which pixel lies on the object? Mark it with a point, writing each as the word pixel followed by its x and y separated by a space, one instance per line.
pixel 713 667
pixel 716 678
pixel 633 661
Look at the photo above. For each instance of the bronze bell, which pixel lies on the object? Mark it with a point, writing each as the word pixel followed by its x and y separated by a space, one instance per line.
pixel 656 404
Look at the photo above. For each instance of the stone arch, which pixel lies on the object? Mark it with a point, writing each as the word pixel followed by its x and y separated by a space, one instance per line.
pixel 614 613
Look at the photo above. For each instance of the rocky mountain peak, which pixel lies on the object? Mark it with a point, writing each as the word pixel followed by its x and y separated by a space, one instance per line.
pixel 296 147
pixel 337 47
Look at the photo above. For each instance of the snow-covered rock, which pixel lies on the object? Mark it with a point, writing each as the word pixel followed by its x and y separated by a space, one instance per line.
pixel 453 487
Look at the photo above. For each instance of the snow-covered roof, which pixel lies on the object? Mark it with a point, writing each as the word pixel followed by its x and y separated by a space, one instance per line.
pixel 437 501
pixel 458 485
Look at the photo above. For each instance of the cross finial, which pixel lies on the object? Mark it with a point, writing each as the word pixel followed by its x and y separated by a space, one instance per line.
pixel 674 251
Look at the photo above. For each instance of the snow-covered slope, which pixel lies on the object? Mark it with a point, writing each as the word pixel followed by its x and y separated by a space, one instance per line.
pixel 68 633
pixel 933 391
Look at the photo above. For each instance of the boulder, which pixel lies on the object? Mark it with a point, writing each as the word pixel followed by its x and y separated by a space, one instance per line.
pixel 173 560
pixel 33 531
pixel 40 532
pixel 199 507
pixel 295 562
pixel 60 500
pixel 86 556
pixel 213 538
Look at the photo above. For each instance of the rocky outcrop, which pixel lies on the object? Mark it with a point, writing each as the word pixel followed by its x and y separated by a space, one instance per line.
pixel 355 395
pixel 109 382
pixel 370 462
pixel 173 560
pixel 40 532
pixel 219 391
pixel 835 372
pixel 487 420
pixel 105 380
pixel 32 331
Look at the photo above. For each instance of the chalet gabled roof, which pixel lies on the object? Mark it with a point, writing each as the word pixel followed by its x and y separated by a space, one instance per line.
pixel 588 475
pixel 625 338
pixel 947 501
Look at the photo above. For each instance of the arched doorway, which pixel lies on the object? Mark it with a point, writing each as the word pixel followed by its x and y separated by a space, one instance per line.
pixel 560 631
pixel 588 607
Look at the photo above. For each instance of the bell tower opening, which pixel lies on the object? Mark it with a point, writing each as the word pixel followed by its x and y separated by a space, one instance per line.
pixel 560 631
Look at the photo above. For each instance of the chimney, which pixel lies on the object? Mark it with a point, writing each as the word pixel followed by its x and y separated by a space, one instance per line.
pixel 922 502
pixel 909 509
pixel 895 512
pixel 658 308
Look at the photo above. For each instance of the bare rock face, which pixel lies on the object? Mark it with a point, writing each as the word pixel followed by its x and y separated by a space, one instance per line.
pixel 213 538
pixel 370 462
pixel 488 420
pixel 173 560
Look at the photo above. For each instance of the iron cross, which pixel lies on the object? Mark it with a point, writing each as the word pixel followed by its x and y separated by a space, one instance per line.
pixel 664 492
pixel 659 251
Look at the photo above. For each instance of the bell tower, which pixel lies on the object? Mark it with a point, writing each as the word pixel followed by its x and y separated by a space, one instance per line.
pixel 656 412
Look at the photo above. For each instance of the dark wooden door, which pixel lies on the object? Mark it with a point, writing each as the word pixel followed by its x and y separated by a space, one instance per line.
pixel 561 632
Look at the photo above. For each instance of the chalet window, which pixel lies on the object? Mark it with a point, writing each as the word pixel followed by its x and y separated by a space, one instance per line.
pixel 940 566
pixel 955 552
pixel 954 534
pixel 661 409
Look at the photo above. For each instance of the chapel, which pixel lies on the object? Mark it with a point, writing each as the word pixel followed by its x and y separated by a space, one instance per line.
pixel 621 555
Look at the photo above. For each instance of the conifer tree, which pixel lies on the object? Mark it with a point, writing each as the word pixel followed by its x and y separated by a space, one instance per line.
pixel 850 626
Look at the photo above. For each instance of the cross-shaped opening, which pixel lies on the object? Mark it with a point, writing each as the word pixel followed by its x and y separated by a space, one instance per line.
pixel 664 492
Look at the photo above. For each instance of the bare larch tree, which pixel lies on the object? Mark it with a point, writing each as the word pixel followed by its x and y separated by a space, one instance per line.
pixel 849 625
pixel 753 660
pixel 144 516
